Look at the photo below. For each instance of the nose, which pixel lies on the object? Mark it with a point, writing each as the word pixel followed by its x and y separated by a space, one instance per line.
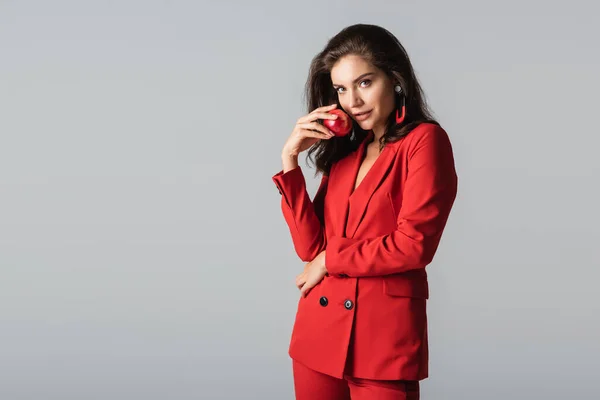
pixel 355 100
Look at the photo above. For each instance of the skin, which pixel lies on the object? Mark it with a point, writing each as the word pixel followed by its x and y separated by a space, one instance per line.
pixel 357 92
pixel 373 92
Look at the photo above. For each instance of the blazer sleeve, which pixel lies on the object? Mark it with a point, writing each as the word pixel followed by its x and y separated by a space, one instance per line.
pixel 303 216
pixel 428 195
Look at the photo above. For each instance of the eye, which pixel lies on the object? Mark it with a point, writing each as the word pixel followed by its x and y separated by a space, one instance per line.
pixel 367 83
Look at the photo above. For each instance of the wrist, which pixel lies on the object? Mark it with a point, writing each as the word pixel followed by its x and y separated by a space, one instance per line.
pixel 289 162
pixel 289 156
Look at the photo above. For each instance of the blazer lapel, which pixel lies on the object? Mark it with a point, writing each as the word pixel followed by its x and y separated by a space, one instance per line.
pixel 340 192
pixel 358 199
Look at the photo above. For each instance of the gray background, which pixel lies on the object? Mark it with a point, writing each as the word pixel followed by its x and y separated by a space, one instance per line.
pixel 143 254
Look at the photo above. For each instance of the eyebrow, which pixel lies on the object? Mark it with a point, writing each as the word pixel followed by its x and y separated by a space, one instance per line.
pixel 359 78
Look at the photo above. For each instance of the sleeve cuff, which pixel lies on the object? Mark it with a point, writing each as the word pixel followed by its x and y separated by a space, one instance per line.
pixel 290 183
pixel 334 265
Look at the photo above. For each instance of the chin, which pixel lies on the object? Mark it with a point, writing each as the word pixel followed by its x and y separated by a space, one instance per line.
pixel 365 125
pixel 370 123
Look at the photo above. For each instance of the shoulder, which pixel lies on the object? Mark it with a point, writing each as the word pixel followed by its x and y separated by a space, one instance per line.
pixel 423 131
pixel 426 135
pixel 427 131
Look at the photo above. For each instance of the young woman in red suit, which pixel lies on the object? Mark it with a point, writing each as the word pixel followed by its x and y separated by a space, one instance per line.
pixel 373 225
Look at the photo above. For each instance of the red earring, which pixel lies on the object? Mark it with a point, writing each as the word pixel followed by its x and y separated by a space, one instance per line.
pixel 400 118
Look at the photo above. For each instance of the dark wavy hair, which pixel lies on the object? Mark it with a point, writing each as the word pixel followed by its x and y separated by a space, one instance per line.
pixel 383 50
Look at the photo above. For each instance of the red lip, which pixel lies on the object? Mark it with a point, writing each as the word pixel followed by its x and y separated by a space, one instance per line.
pixel 363 116
pixel 360 113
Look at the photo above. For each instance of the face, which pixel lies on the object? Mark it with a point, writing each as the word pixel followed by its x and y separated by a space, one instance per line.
pixel 361 88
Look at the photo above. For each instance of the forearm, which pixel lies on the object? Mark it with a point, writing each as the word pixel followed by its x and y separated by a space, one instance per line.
pixel 289 162
pixel 308 234
pixel 303 216
pixel 428 196
pixel 402 250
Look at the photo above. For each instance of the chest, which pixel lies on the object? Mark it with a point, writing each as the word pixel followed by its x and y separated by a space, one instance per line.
pixel 364 193
pixel 369 157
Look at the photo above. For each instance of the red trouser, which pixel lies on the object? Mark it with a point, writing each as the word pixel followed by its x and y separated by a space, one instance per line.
pixel 313 385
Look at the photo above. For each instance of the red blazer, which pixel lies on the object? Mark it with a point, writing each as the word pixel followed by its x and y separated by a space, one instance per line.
pixel 367 317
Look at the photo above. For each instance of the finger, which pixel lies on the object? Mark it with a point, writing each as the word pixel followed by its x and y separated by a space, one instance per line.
pixel 325 108
pixel 300 280
pixel 307 133
pixel 305 289
pixel 301 275
pixel 308 285
pixel 315 129
pixel 315 126
pixel 317 115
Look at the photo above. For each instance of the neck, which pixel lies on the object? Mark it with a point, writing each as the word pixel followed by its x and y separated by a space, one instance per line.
pixel 378 133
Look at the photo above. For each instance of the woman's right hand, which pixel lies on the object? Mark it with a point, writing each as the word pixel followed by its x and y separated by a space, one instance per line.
pixel 308 131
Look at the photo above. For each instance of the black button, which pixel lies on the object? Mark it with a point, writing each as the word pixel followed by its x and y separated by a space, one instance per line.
pixel 343 276
pixel 348 304
pixel 323 301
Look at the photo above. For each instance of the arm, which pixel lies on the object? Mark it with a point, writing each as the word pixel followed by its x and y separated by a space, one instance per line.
pixel 303 217
pixel 428 196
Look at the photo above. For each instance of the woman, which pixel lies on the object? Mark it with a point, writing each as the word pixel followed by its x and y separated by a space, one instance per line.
pixel 373 226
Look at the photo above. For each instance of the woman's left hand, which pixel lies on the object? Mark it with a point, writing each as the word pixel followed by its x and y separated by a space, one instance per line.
pixel 314 272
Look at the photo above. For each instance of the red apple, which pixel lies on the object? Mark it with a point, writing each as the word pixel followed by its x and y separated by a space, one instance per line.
pixel 340 126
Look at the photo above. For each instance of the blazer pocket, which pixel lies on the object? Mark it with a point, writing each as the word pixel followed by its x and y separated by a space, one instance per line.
pixel 400 286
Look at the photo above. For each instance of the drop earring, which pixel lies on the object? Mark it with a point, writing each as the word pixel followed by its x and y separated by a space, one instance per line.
pixel 400 118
